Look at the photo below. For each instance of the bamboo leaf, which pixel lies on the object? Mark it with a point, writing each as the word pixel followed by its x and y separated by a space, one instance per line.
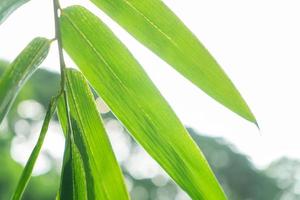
pixel 104 179
pixel 158 28
pixel 73 182
pixel 62 115
pixel 9 6
pixel 67 182
pixel 19 71
pixel 26 174
pixel 125 87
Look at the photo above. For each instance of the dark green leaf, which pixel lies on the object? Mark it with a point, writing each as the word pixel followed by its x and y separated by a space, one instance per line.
pixel 104 179
pixel 26 174
pixel 19 71
pixel 9 6
pixel 157 27
pixel 73 181
pixel 122 83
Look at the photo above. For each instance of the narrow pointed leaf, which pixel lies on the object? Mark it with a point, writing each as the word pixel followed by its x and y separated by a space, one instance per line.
pixel 67 183
pixel 78 174
pixel 124 86
pixel 157 27
pixel 103 175
pixel 9 6
pixel 73 180
pixel 19 71
pixel 26 174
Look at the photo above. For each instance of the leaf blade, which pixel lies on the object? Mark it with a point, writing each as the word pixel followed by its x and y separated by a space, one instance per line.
pixel 72 183
pixel 26 174
pixel 125 87
pixel 19 71
pixel 7 7
pixel 103 176
pixel 153 24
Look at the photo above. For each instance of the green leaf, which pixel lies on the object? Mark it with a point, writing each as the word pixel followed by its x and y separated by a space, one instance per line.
pixel 19 71
pixel 104 179
pixel 158 28
pixel 73 180
pixel 67 182
pixel 9 6
pixel 62 115
pixel 26 174
pixel 125 87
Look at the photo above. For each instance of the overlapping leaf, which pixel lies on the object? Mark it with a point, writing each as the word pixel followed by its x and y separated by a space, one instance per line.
pixel 73 180
pixel 8 6
pixel 104 179
pixel 122 83
pixel 26 174
pixel 153 24
pixel 19 71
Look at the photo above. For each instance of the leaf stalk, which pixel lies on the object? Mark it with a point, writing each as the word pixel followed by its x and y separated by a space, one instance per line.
pixel 62 64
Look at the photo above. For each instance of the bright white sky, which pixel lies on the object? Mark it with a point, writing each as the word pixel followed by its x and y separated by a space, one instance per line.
pixel 257 42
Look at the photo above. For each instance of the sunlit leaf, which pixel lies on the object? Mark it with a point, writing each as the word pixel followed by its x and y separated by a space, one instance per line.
pixel 9 6
pixel 73 181
pixel 157 27
pixel 19 71
pixel 26 174
pixel 124 86
pixel 104 179
pixel 67 182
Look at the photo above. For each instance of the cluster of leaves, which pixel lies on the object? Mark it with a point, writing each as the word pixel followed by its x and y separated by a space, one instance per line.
pixel 90 169
pixel 236 174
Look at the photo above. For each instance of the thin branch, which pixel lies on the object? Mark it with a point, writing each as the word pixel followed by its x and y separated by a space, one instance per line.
pixel 57 8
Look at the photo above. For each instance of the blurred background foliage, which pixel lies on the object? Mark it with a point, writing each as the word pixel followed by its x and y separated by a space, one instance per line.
pixel 145 179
